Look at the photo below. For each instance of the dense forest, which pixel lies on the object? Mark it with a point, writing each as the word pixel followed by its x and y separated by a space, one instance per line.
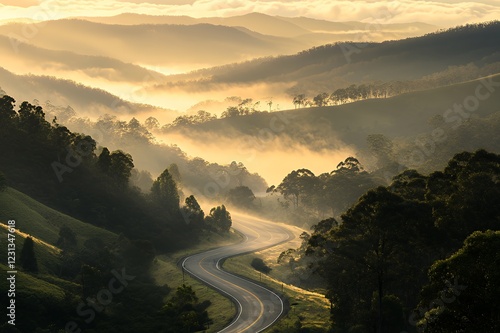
pixel 398 257
pixel 143 141
pixel 419 255
pixel 65 171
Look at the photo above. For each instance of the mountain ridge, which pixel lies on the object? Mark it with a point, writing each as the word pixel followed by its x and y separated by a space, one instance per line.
pixel 298 25
pixel 157 45
pixel 338 65
pixel 87 100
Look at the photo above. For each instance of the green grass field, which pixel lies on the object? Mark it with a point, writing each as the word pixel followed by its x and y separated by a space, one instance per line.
pixel 34 218
pixel 27 283
pixel 42 224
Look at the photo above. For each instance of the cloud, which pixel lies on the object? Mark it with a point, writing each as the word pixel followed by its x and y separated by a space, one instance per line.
pixel 162 2
pixel 19 3
pixel 442 13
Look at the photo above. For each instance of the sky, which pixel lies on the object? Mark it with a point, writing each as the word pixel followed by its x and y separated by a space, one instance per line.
pixel 444 13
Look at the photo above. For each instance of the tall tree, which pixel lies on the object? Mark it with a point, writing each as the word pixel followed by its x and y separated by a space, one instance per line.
pixel 204 116
pixel 121 167
pixel 192 212
pixel 84 146
pixel 321 99
pixel 369 261
pixel 376 259
pixel 463 292
pixel 466 194
pixel 7 112
pixel 339 96
pixel 104 160
pixel 67 238
pixel 296 184
pixel 32 119
pixel 241 196
pixel 410 185
pixel 28 258
pixel 165 193
pixel 152 123
pixel 346 184
pixel 299 100
pixel 219 219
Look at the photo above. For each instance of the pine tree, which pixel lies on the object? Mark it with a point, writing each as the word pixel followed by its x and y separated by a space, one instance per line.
pixel 28 259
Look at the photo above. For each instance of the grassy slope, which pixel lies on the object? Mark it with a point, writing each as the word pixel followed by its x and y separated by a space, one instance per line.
pixel 26 284
pixel 42 224
pixel 36 219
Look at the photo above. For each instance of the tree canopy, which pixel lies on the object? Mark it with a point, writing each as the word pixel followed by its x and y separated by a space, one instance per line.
pixel 219 219
pixel 241 196
pixel 165 192
pixel 192 212
pixel 376 258
pixel 463 290
pixel 28 257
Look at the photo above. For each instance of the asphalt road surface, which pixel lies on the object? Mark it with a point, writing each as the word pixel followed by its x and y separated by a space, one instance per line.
pixel 258 307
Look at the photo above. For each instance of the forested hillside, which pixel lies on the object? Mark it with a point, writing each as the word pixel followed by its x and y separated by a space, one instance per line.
pixel 419 255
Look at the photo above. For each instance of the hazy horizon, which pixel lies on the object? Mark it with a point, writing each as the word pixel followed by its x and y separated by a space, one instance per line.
pixel 444 13
pixel 268 58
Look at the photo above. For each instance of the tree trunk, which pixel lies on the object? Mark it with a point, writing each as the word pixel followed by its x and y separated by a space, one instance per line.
pixel 380 297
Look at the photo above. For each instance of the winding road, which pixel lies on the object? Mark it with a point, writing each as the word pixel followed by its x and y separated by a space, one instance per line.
pixel 258 307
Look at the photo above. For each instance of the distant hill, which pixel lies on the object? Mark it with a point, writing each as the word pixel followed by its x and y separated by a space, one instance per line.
pixel 157 45
pixel 335 66
pixel 85 100
pixel 312 32
pixel 260 23
pixel 328 130
pixel 21 57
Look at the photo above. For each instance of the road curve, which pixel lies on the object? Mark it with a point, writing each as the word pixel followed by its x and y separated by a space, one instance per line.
pixel 258 307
